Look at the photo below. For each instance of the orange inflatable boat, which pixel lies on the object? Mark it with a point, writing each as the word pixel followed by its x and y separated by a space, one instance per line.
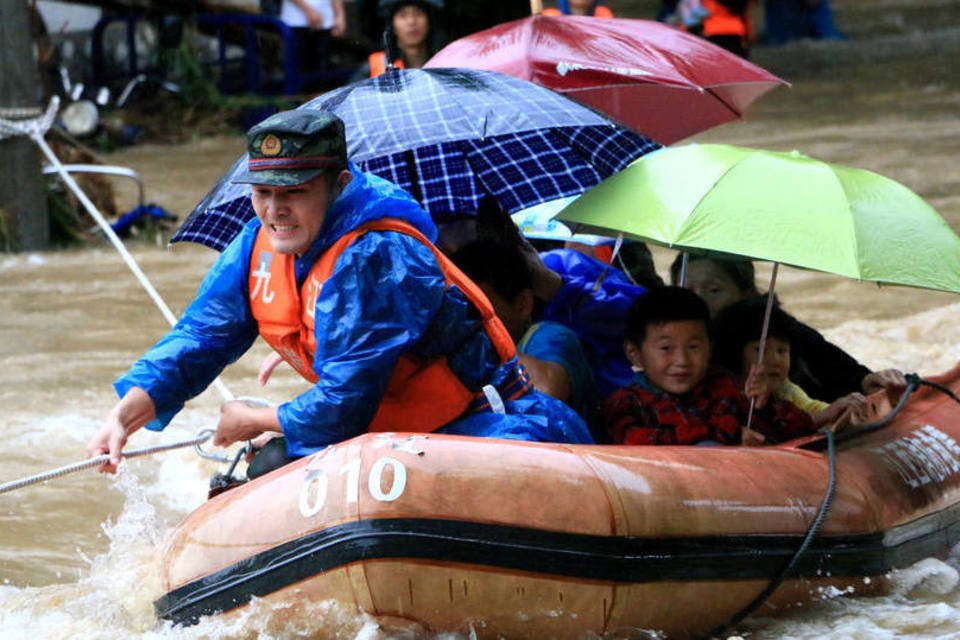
pixel 527 540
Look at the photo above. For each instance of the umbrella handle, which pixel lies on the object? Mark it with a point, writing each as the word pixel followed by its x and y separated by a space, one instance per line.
pixel 390 46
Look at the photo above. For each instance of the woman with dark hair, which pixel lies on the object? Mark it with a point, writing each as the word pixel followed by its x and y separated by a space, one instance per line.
pixel 822 369
pixel 409 37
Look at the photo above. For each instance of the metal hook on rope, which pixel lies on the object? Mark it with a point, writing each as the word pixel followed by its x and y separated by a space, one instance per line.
pixel 91 463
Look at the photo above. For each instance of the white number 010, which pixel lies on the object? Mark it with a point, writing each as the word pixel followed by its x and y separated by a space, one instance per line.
pixel 313 494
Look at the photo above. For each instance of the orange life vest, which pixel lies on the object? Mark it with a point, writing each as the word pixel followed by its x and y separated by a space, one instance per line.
pixel 600 11
pixel 724 22
pixel 378 63
pixel 421 395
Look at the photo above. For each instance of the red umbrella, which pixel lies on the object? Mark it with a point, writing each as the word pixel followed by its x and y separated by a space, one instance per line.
pixel 650 76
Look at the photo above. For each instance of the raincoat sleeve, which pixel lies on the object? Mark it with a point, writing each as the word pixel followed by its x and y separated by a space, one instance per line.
pixel 382 295
pixel 597 313
pixel 215 330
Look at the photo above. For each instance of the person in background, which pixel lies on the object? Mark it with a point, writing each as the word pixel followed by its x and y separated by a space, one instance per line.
pixel 579 8
pixel 338 273
pixel 410 36
pixel 786 20
pixel 728 25
pixel 550 352
pixel 677 397
pixel 313 23
pixel 822 369
pixel 737 333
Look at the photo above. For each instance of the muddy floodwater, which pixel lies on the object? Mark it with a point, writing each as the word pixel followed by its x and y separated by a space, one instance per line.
pixel 78 555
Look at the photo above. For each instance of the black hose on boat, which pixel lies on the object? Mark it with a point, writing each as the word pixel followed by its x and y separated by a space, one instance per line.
pixel 812 530
pixel 914 382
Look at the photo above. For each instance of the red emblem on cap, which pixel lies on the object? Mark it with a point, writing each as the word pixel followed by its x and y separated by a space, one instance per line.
pixel 270 146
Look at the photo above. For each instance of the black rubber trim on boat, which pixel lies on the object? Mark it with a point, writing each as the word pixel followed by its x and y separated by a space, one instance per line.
pixel 579 557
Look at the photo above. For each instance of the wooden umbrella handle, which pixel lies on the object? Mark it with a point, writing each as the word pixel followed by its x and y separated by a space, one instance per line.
pixel 536 6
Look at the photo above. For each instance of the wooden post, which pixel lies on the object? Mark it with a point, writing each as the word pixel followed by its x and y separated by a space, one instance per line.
pixel 536 6
pixel 23 201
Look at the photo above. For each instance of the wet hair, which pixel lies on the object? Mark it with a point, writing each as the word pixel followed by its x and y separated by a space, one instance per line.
pixel 662 305
pixel 742 323
pixel 740 270
pixel 498 264
pixel 387 8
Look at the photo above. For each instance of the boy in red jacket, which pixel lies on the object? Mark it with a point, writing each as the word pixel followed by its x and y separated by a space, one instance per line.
pixel 677 397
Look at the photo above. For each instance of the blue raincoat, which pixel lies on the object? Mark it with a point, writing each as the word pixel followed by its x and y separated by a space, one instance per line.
pixel 385 297
pixel 596 313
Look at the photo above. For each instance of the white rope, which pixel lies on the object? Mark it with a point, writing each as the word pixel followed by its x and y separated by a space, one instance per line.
pixel 37 124
pixel 90 463
pixel 20 112
pixel 36 129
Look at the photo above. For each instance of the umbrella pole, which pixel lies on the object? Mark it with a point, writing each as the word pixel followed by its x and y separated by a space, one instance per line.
pixel 684 260
pixel 536 6
pixel 763 332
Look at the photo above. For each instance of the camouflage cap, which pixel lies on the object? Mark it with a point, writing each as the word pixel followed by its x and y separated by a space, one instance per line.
pixel 293 147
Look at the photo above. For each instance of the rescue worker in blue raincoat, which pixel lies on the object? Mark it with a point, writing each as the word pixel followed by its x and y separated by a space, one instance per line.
pixel 339 274
pixel 591 298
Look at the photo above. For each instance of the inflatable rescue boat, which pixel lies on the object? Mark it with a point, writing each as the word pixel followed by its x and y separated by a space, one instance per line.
pixel 529 540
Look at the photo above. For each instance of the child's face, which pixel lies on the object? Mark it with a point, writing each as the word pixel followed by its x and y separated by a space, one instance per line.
pixel 712 283
pixel 776 361
pixel 674 355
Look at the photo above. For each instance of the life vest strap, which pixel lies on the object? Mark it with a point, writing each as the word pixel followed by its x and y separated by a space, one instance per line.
pixel 517 384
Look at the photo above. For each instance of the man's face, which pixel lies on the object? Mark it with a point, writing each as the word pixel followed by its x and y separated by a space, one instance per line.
pixel 292 216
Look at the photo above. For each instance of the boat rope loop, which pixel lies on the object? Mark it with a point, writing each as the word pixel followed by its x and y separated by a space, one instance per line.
pixel 27 121
pixel 90 463
pixel 812 530
pixel 36 129
pixel 914 382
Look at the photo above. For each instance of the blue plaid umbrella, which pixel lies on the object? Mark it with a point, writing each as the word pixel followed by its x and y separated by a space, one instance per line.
pixel 450 137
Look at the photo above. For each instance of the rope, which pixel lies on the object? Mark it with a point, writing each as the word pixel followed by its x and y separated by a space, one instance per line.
pixel 90 463
pixel 38 124
pixel 36 129
pixel 20 112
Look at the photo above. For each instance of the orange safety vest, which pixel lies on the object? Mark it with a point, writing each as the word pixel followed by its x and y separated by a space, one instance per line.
pixel 724 22
pixel 601 11
pixel 378 63
pixel 421 395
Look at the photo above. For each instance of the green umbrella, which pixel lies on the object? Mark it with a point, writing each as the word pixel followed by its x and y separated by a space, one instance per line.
pixel 782 207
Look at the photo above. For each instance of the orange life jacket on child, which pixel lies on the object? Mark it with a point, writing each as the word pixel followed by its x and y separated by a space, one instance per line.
pixel 378 63
pixel 600 11
pixel 421 395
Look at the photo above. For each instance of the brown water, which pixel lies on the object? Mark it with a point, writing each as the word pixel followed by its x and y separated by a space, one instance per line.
pixel 77 555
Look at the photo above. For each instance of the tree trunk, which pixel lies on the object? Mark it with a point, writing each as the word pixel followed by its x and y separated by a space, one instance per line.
pixel 23 201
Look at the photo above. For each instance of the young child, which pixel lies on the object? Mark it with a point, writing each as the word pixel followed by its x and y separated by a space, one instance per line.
pixel 677 398
pixel 738 329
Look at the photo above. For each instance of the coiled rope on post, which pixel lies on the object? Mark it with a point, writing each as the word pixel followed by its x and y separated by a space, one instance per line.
pixel 13 485
pixel 36 129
